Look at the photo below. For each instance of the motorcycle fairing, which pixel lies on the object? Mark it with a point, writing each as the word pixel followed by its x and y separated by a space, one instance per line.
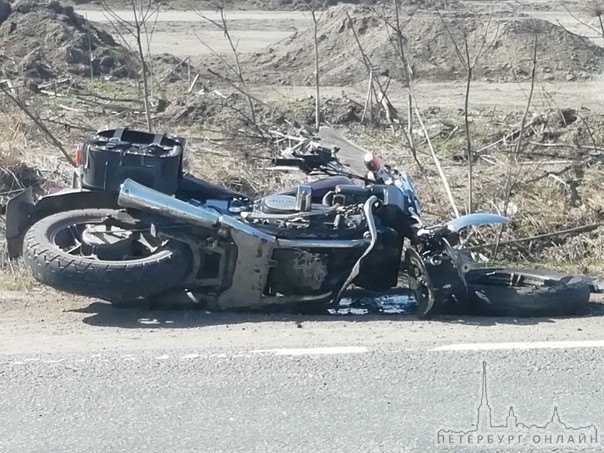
pixel 475 219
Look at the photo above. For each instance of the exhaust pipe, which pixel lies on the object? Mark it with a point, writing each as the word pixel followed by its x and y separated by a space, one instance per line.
pixel 138 196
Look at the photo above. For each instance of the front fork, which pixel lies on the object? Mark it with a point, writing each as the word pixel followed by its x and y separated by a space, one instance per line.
pixel 436 274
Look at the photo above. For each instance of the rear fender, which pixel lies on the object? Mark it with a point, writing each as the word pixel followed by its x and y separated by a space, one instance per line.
pixel 23 211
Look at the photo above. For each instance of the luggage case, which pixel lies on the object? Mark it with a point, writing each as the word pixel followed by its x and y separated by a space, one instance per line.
pixel 113 155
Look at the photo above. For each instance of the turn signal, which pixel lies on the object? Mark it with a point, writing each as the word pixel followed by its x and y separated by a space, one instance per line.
pixel 78 155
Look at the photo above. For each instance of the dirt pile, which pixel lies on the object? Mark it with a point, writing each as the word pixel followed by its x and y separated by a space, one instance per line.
pixel 233 112
pixel 43 40
pixel 267 5
pixel 430 49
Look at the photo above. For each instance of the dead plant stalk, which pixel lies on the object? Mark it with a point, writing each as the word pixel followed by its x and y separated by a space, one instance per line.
pixel 223 26
pixel 38 122
pixel 413 108
pixel 317 76
pixel 142 11
pixel 469 65
pixel 510 182
pixel 530 98
pixel 406 74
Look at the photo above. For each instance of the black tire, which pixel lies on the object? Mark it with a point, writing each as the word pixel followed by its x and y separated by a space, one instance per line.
pixel 526 293
pixel 118 281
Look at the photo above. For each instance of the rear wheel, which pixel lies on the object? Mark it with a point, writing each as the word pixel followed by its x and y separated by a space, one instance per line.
pixel 526 293
pixel 81 252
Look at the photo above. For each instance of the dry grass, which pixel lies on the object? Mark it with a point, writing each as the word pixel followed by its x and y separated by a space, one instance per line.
pixel 15 132
pixel 14 276
pixel 540 196
pixel 538 203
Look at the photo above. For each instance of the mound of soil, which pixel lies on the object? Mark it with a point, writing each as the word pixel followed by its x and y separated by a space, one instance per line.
pixel 168 68
pixel 233 112
pixel 429 47
pixel 266 5
pixel 43 40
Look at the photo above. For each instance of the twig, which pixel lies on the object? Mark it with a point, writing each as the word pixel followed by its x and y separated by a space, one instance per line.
pixel 580 229
pixel 368 98
pixel 223 26
pixel 194 83
pixel 528 103
pixel 234 85
pixel 142 13
pixel 443 177
pixel 317 75
pixel 41 125
pixel 469 64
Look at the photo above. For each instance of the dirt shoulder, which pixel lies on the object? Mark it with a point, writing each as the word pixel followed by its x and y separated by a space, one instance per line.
pixel 47 322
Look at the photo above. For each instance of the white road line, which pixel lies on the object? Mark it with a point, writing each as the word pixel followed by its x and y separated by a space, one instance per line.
pixel 314 351
pixel 163 357
pixel 190 356
pixel 521 345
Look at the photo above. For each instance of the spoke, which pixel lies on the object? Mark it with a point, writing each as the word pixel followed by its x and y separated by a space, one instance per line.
pixel 75 248
pixel 73 234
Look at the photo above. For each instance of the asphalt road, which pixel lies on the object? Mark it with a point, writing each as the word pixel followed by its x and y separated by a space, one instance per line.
pixel 80 376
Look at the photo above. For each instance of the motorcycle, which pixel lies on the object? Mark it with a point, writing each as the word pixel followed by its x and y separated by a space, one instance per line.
pixel 135 226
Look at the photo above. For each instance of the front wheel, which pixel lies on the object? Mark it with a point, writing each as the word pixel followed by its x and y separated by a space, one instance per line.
pixel 526 293
pixel 79 252
pixel 437 283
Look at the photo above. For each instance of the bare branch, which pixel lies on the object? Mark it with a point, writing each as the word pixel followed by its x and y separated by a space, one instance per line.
pixel 528 104
pixel 222 25
pixel 39 123
pixel 318 99
pixel 579 229
pixel 142 10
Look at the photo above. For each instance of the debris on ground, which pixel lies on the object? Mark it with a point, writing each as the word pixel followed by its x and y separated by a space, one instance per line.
pixel 16 178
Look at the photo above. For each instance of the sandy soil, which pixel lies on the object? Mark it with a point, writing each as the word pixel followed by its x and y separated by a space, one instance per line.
pixel 45 321
pixel 180 33
pixel 587 94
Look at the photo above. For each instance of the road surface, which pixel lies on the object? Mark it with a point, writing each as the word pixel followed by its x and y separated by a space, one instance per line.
pixel 78 375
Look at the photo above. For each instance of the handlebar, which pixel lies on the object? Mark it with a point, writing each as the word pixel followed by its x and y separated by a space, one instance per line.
pixel 315 158
pixel 321 159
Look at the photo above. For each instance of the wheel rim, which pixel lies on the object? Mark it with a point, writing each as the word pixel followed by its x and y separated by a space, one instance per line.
pixel 97 239
pixel 461 290
pixel 420 282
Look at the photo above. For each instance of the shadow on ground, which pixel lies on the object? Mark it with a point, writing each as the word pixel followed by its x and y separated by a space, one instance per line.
pixel 192 316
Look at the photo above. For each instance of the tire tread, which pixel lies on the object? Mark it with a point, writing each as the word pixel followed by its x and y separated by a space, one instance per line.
pixel 110 281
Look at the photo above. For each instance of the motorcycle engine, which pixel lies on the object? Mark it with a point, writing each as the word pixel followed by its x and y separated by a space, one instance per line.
pixel 298 272
pixel 277 204
pixel 288 210
pixel 289 204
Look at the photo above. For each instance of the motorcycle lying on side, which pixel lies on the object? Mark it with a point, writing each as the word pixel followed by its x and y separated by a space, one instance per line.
pixel 135 226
